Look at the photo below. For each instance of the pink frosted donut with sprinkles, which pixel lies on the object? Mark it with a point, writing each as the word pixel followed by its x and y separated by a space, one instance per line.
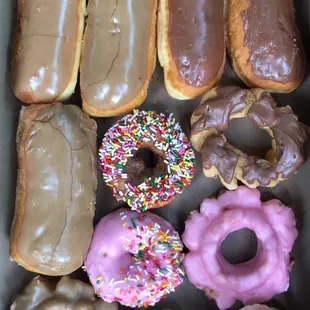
pixel 140 187
pixel 134 258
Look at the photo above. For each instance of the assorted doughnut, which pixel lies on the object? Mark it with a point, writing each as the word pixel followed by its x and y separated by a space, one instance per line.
pixel 133 257
pixel 56 187
pixel 191 45
pixel 47 49
pixel 221 159
pixel 264 44
pixel 164 137
pixel 67 293
pixel 118 55
pixel 256 280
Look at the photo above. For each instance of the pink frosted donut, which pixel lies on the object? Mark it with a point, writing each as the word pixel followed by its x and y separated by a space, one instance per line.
pixel 254 281
pixel 134 258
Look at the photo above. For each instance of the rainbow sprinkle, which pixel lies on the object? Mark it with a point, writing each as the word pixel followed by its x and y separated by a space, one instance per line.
pixel 129 134
pixel 156 268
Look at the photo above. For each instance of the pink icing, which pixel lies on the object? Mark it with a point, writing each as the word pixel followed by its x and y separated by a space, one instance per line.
pixel 256 280
pixel 134 258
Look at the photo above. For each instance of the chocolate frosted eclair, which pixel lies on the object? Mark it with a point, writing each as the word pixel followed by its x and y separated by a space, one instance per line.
pixel 118 55
pixel 221 159
pixel 46 49
pixel 264 44
pixel 67 294
pixel 56 185
pixel 191 45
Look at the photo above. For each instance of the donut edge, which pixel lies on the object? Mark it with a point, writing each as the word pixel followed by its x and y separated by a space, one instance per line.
pixel 69 90
pixel 139 99
pixel 26 118
pixel 175 86
pixel 239 53
pixel 198 139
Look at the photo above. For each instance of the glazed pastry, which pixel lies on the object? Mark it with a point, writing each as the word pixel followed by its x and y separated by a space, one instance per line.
pixel 191 45
pixel 142 187
pixel 264 44
pixel 256 280
pixel 57 181
pixel 257 307
pixel 134 258
pixel 221 159
pixel 68 294
pixel 119 55
pixel 47 49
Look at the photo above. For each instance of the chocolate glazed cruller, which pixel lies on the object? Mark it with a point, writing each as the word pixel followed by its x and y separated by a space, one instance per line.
pixel 222 104
pixel 256 280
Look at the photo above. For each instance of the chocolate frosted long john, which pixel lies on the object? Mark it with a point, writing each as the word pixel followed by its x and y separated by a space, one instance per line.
pixel 46 49
pixel 118 56
pixel 191 45
pixel 265 44
pixel 57 180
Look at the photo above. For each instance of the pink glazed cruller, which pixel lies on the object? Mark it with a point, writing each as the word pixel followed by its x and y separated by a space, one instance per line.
pixel 256 280
pixel 134 258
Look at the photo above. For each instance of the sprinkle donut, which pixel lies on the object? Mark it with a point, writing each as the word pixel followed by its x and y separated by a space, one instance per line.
pixel 164 137
pixel 134 258
pixel 256 280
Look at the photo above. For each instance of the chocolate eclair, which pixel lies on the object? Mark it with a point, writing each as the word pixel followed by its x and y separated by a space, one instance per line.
pixel 56 185
pixel 68 293
pixel 118 55
pixel 264 44
pixel 46 49
pixel 191 45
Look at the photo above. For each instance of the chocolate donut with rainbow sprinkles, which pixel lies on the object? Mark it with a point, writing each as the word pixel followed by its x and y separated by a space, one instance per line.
pixel 131 180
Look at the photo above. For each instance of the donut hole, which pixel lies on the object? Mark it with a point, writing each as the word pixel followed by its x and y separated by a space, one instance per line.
pixel 149 158
pixel 239 246
pixel 145 163
pixel 248 138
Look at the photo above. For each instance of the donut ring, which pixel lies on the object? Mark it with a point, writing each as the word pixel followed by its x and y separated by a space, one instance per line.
pixel 221 159
pixel 134 258
pixel 256 280
pixel 162 135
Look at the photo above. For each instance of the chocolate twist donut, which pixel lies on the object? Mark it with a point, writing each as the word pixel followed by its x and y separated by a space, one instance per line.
pixel 220 158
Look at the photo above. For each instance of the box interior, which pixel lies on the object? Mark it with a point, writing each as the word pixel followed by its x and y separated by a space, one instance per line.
pixel 293 192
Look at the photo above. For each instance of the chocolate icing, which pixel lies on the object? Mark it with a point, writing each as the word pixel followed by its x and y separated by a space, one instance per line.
pixel 115 57
pixel 197 39
pixel 289 136
pixel 67 294
pixel 273 40
pixel 215 151
pixel 45 48
pixel 61 180
pixel 216 112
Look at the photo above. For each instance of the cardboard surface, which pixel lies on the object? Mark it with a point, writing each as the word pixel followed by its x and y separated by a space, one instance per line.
pixel 295 192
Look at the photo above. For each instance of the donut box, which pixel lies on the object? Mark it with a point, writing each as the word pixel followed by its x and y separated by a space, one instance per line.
pixel 238 247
